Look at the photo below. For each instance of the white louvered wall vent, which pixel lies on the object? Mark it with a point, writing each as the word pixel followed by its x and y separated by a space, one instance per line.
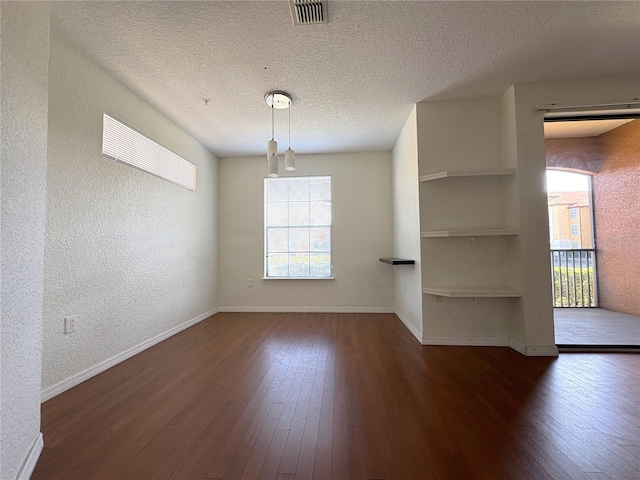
pixel 308 12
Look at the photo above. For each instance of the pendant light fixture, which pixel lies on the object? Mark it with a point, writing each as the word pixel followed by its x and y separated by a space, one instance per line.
pixel 272 151
pixel 289 155
pixel 278 100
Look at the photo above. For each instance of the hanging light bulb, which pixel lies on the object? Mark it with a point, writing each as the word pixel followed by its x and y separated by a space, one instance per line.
pixel 272 165
pixel 289 160
pixel 272 148
pixel 289 155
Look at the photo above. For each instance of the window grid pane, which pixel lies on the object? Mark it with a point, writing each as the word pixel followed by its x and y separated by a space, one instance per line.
pixel 298 227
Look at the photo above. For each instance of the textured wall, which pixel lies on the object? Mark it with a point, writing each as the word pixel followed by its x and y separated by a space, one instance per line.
pixel 617 219
pixel 580 154
pixel 362 232
pixel 406 225
pixel 25 54
pixel 132 254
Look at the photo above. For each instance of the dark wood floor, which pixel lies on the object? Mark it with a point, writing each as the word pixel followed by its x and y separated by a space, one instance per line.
pixel 302 396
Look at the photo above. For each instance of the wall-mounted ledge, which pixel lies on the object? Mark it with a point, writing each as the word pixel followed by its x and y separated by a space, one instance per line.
pixel 466 292
pixel 298 278
pixel 397 261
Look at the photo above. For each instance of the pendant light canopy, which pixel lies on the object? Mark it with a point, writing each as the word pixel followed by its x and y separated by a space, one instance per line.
pixel 278 100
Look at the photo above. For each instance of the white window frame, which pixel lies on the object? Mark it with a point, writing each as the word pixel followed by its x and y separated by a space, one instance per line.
pixel 266 236
pixel 125 144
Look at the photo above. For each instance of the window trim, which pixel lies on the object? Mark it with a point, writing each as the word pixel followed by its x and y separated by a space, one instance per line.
pixel 265 230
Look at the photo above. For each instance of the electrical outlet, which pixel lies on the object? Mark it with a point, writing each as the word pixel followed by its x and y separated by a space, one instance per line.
pixel 473 300
pixel 437 299
pixel 250 282
pixel 70 323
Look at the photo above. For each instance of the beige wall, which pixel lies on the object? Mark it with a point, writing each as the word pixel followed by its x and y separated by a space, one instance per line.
pixel 25 63
pixel 361 233
pixel 133 255
pixel 617 218
pixel 406 227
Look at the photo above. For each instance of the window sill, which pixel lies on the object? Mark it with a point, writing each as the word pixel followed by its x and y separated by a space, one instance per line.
pixel 298 278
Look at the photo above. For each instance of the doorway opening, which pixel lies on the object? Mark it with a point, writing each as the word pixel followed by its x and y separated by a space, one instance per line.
pixel 593 171
pixel 573 254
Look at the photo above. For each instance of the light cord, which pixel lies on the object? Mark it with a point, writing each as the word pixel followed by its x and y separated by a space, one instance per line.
pixel 289 126
pixel 272 100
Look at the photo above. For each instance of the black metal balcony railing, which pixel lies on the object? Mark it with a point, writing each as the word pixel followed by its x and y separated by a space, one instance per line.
pixel 573 273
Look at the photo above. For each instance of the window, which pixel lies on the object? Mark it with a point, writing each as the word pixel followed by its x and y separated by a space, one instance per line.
pixel 575 244
pixel 123 144
pixel 297 218
pixel 574 213
pixel 574 230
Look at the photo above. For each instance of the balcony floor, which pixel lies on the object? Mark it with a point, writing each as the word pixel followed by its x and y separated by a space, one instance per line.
pixel 595 326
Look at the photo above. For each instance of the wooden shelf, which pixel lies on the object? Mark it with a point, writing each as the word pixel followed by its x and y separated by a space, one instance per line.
pixel 467 173
pixel 397 261
pixel 470 232
pixel 492 292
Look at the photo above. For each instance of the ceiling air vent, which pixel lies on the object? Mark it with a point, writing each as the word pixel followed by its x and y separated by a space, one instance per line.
pixel 308 12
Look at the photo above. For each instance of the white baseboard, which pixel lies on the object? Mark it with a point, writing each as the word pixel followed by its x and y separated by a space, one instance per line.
pixel 467 341
pixel 534 351
pixel 543 351
pixel 30 461
pixel 308 309
pixel 517 346
pixel 74 380
pixel 529 351
pixel 416 333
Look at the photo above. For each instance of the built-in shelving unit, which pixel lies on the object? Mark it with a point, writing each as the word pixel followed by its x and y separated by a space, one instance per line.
pixel 470 232
pixel 397 261
pixel 469 206
pixel 467 173
pixel 480 234
pixel 466 292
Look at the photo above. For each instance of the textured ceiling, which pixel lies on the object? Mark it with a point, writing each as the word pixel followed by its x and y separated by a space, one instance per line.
pixel 353 80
